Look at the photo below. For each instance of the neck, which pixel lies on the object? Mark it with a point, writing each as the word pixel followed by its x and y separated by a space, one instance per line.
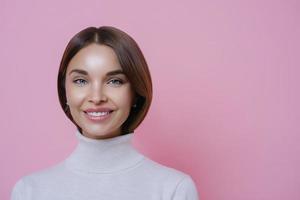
pixel 103 155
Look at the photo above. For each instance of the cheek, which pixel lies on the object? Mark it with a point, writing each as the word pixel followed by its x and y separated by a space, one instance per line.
pixel 124 98
pixel 74 95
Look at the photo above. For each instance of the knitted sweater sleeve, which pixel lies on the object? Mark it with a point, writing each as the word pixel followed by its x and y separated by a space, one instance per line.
pixel 186 190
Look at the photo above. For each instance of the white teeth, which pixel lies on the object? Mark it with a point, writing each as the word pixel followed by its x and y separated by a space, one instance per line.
pixel 98 114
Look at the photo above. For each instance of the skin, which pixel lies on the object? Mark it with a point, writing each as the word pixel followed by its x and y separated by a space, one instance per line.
pixel 97 89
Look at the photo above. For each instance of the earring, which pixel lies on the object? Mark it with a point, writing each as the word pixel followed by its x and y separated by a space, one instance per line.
pixel 134 105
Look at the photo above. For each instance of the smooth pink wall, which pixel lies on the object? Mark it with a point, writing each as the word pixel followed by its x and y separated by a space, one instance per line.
pixel 226 89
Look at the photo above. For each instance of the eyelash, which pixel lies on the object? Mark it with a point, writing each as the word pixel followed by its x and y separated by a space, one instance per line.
pixel 76 81
pixel 120 82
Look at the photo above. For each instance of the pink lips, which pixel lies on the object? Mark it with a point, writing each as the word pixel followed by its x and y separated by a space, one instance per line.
pixel 97 119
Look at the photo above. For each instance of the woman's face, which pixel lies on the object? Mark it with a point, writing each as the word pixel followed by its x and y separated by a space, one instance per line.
pixel 98 93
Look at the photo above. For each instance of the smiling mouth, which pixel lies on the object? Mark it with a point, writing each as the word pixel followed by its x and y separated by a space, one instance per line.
pixel 98 116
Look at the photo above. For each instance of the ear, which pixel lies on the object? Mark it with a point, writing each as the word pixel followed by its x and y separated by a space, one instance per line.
pixel 134 99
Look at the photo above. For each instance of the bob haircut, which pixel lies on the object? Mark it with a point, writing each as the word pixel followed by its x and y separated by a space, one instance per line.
pixel 131 60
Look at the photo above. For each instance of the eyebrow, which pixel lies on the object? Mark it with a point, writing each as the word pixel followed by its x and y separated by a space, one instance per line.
pixel 114 72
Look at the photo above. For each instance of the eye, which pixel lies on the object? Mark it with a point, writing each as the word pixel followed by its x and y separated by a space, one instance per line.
pixel 115 82
pixel 80 82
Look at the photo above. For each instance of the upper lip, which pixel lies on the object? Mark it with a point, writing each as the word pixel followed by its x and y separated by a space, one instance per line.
pixel 98 110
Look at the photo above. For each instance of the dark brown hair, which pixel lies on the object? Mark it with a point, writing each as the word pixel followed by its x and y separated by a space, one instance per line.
pixel 131 60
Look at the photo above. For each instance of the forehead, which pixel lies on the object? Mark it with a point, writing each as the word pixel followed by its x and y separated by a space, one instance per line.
pixel 95 58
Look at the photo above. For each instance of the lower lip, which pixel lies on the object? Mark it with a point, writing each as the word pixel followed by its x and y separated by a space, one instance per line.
pixel 98 118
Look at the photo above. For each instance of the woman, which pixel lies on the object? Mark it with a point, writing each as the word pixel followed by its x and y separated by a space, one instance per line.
pixel 105 89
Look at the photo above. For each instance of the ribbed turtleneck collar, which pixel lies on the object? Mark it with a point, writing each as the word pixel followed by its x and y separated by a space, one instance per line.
pixel 103 156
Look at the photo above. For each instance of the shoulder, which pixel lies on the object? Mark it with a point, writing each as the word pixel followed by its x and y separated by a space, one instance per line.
pixel 25 186
pixel 156 168
pixel 182 184
pixel 45 174
pixel 19 190
pixel 186 189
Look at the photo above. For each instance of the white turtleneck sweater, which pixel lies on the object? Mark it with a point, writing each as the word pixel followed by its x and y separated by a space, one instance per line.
pixel 109 169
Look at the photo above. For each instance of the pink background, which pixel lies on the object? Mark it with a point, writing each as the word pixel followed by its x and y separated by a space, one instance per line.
pixel 226 89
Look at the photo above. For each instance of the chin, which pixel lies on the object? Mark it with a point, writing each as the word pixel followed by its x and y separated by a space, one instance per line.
pixel 100 134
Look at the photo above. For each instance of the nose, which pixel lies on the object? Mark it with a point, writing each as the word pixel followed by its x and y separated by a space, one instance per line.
pixel 97 94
